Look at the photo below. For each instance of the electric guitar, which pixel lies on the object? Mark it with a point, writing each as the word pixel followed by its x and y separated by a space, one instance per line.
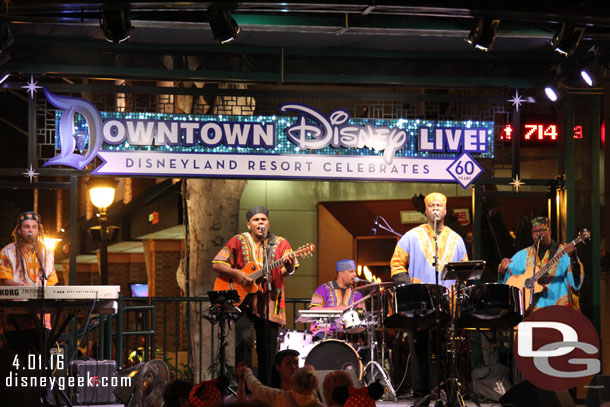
pixel 257 274
pixel 524 281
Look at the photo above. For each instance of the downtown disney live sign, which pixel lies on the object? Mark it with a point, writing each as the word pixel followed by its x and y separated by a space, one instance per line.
pixel 301 144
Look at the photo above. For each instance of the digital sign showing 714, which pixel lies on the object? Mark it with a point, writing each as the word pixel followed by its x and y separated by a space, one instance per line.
pixel 536 132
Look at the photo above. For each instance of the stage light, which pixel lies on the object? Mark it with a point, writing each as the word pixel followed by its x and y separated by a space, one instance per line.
pixel 551 93
pixel 594 66
pixel 223 26
pixel 566 40
pixel 587 77
pixel 484 34
pixel 115 24
pixel 51 242
pixel 5 77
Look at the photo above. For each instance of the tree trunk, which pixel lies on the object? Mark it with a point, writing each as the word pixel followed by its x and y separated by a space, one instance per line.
pixel 213 210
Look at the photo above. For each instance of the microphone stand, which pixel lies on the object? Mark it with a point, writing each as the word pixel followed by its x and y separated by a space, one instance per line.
pixel 267 298
pixel 439 370
pixel 43 278
pixel 385 227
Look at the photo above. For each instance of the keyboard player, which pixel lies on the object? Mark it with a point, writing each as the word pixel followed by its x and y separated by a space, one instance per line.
pixel 21 264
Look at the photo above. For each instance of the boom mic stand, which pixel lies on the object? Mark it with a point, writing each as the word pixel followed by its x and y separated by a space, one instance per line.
pixel 43 344
pixel 385 226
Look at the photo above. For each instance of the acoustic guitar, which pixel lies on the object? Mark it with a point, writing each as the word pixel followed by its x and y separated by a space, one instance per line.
pixel 257 274
pixel 525 281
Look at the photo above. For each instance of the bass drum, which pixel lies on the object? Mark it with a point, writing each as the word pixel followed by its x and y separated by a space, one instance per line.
pixel 332 354
pixel 301 341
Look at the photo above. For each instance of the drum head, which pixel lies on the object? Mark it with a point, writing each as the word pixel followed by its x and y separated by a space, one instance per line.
pixel 332 354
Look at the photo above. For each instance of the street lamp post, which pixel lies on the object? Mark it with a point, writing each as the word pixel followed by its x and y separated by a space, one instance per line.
pixel 101 193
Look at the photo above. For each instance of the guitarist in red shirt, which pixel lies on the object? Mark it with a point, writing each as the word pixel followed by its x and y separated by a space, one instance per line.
pixel 230 263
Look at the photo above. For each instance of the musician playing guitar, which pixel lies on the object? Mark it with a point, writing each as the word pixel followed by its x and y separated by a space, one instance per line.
pixel 561 281
pixel 239 251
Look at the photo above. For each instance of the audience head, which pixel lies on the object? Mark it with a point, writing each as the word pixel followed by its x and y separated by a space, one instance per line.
pixel 305 380
pixel 176 393
pixel 333 380
pixel 208 393
pixel 285 364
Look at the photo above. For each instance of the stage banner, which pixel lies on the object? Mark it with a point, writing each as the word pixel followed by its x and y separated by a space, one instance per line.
pixel 298 143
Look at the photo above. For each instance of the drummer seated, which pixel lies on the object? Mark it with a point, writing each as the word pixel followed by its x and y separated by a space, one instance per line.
pixel 335 295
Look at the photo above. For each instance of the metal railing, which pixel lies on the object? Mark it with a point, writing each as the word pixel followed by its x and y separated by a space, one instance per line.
pixel 158 327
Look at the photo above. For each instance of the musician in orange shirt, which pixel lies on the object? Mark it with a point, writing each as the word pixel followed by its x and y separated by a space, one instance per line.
pixel 239 251
pixel 24 263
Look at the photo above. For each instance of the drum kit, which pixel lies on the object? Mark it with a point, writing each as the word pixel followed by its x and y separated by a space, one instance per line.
pixel 407 307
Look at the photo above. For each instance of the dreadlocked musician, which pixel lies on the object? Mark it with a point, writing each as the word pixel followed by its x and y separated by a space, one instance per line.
pixel 25 262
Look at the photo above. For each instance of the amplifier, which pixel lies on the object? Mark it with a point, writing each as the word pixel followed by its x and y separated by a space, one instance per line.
pixel 95 381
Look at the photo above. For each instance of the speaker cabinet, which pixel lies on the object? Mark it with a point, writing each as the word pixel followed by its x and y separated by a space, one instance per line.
pixel 525 394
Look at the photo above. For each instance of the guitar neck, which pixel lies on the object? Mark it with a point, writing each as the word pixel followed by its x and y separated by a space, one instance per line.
pixel 545 269
pixel 261 272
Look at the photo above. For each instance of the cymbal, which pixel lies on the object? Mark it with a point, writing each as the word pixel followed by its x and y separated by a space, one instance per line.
pixel 373 286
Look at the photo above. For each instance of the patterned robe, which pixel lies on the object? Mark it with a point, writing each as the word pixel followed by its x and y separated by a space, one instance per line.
pixel 414 254
pixel 244 248
pixel 331 295
pixel 11 267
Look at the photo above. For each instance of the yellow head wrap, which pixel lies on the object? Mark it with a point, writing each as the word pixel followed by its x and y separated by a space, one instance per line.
pixel 435 196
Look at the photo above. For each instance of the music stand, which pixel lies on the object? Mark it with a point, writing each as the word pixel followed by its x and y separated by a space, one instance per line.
pixel 463 270
pixel 222 311
pixel 460 271
pixel 222 297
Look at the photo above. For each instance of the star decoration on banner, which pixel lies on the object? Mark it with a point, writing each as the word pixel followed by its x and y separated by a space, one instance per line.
pixel 7 3
pixel 516 100
pixel 517 183
pixel 32 87
pixel 30 173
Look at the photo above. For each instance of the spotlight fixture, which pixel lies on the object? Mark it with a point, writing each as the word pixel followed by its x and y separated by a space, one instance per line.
pixel 587 77
pixel 594 66
pixel 115 24
pixel 552 93
pixel 223 26
pixel 484 34
pixel 566 40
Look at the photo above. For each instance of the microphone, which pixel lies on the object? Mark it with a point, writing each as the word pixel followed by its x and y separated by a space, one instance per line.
pixel 436 214
pixel 374 228
pixel 30 235
pixel 263 230
pixel 360 280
